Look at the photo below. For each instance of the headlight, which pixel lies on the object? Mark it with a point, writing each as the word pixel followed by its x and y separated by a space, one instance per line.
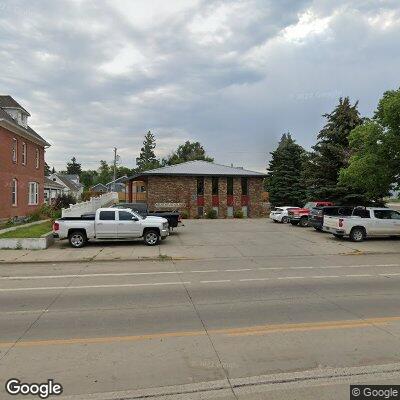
pixel 165 225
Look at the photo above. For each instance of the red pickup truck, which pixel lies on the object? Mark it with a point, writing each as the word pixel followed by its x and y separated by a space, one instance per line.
pixel 299 216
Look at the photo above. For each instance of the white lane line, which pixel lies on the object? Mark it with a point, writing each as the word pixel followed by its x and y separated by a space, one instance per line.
pixel 389 274
pixel 291 277
pixel 324 276
pixel 359 276
pixel 238 270
pixel 93 286
pixel 97 275
pixel 219 281
pixel 254 279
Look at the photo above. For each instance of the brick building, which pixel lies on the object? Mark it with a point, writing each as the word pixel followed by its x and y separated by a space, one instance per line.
pixel 21 162
pixel 198 186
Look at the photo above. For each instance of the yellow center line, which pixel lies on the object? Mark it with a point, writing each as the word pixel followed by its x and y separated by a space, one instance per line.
pixel 246 331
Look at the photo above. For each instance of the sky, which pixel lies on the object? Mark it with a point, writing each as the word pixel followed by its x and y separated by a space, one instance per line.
pixel 234 75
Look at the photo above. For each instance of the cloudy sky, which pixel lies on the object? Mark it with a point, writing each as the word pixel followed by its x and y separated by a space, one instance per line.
pixel 233 75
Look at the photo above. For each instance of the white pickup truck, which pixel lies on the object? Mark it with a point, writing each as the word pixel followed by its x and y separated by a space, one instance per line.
pixel 364 222
pixel 111 224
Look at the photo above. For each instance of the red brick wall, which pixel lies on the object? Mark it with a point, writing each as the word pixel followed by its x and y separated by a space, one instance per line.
pixel 23 173
pixel 182 189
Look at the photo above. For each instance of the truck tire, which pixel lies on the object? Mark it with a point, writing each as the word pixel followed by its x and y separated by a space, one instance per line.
pixel 303 222
pixel 357 234
pixel 151 237
pixel 77 239
pixel 284 220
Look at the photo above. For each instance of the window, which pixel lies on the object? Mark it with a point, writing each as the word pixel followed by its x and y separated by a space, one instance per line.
pixel 37 159
pixel 14 150
pixel 386 214
pixel 125 216
pixel 200 186
pixel 229 186
pixel 14 192
pixel 215 186
pixel 361 212
pixel 23 153
pixel 244 186
pixel 33 193
pixel 107 215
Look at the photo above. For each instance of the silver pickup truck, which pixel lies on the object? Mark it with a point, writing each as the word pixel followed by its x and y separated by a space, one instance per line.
pixel 364 222
pixel 111 224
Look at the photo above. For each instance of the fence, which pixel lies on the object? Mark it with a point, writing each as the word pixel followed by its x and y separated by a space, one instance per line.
pixel 104 200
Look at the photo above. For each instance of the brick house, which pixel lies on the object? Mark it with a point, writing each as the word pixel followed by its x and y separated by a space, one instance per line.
pixel 198 186
pixel 21 162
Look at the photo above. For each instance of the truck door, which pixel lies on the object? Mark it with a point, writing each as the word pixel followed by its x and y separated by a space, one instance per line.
pixel 383 223
pixel 106 225
pixel 128 225
pixel 395 222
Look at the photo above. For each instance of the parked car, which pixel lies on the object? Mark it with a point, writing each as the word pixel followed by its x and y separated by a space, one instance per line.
pixel 317 215
pixel 174 218
pixel 299 216
pixel 111 224
pixel 363 223
pixel 280 214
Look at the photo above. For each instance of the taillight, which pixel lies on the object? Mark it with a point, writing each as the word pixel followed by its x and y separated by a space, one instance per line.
pixel 56 226
pixel 340 222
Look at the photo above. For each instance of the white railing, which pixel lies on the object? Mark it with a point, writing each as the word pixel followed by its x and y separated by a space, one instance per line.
pixel 104 200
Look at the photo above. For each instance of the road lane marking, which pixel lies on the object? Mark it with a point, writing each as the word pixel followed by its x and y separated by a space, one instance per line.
pixel 97 275
pixel 324 276
pixel 93 286
pixel 359 276
pixel 218 281
pixel 389 274
pixel 254 279
pixel 232 332
pixel 291 277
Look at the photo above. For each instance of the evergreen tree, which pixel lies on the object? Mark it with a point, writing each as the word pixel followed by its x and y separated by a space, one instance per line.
pixel 147 158
pixel 104 173
pixel 47 170
pixel 53 170
pixel 331 154
pixel 73 167
pixel 284 173
pixel 188 151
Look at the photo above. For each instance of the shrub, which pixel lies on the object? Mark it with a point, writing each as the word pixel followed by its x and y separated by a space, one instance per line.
pixel 238 214
pixel 184 214
pixel 212 214
pixel 64 201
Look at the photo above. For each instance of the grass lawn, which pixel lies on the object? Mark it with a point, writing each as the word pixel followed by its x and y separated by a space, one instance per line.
pixel 33 231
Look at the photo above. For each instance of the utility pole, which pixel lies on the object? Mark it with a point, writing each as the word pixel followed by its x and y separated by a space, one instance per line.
pixel 115 167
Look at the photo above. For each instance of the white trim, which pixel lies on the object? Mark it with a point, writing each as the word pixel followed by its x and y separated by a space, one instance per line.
pixel 33 193
pixel 14 151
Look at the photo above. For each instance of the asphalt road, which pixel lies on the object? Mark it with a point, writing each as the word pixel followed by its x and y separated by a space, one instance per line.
pixel 292 327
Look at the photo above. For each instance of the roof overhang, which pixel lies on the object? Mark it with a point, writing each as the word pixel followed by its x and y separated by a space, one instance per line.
pixel 22 132
pixel 17 108
pixel 145 176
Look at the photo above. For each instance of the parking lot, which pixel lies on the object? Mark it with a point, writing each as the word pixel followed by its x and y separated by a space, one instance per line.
pixel 208 239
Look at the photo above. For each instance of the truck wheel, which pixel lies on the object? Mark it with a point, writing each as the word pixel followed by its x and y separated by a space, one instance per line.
pixel 357 235
pixel 303 222
pixel 77 239
pixel 151 238
pixel 284 220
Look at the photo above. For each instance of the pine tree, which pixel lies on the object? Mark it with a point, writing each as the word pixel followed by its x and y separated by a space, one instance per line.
pixel 73 167
pixel 284 173
pixel 331 153
pixel 147 158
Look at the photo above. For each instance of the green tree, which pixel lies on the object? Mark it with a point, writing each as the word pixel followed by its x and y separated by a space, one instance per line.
pixel 47 170
pixel 73 167
pixel 331 153
pixel 374 166
pixel 188 151
pixel 147 158
pixel 88 178
pixel 104 173
pixel 284 173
